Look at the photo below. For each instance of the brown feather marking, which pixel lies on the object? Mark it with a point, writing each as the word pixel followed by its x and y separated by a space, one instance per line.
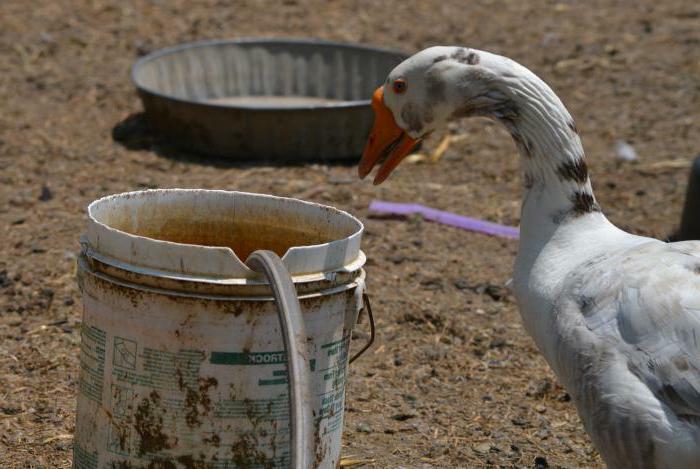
pixel 472 58
pixel 583 203
pixel 461 56
pixel 585 304
pixel 575 170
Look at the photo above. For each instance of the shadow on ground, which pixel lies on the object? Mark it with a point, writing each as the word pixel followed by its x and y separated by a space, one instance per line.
pixel 134 133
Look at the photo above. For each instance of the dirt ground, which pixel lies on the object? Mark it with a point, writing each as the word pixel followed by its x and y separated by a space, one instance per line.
pixel 453 380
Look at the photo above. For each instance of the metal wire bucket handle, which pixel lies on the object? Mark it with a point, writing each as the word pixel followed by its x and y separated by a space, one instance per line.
pixel 301 429
pixel 367 306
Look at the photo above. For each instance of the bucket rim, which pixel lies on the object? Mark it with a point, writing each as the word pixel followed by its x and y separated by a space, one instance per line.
pixel 158 257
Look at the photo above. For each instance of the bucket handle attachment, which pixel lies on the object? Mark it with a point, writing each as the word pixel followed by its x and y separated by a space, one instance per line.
pixel 303 447
pixel 367 306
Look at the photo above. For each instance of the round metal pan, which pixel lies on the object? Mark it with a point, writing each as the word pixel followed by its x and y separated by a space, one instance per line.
pixel 267 100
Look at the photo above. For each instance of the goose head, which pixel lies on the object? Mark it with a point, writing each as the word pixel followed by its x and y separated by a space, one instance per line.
pixel 426 91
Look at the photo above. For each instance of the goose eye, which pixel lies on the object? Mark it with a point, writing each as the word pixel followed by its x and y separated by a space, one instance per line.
pixel 399 86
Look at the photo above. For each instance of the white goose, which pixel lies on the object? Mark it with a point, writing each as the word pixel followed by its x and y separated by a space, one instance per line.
pixel 617 316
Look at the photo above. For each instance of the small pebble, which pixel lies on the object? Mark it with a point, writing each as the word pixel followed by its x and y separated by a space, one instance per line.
pixel 431 283
pixel 497 343
pixel 482 448
pixel 142 47
pixel 519 422
pixel 363 428
pixel 397 258
pixel 625 151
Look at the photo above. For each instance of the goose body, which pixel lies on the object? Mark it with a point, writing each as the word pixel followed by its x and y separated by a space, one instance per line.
pixel 617 316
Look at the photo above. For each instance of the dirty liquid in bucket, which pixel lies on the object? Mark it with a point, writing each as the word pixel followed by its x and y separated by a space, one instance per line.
pixel 273 102
pixel 242 236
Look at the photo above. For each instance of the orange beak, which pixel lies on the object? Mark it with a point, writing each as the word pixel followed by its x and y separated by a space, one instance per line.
pixel 387 142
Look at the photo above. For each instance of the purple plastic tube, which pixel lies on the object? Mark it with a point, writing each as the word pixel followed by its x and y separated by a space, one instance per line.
pixel 445 218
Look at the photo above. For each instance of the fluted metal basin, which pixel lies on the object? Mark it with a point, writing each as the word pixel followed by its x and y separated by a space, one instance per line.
pixel 264 99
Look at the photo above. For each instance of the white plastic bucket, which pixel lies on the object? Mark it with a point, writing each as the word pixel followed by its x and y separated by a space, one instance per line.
pixel 182 358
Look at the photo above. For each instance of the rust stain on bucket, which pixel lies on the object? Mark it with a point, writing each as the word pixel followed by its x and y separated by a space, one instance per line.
pixel 198 402
pixel 149 425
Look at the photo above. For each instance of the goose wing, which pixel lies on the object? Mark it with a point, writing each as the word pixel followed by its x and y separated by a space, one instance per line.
pixel 645 302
